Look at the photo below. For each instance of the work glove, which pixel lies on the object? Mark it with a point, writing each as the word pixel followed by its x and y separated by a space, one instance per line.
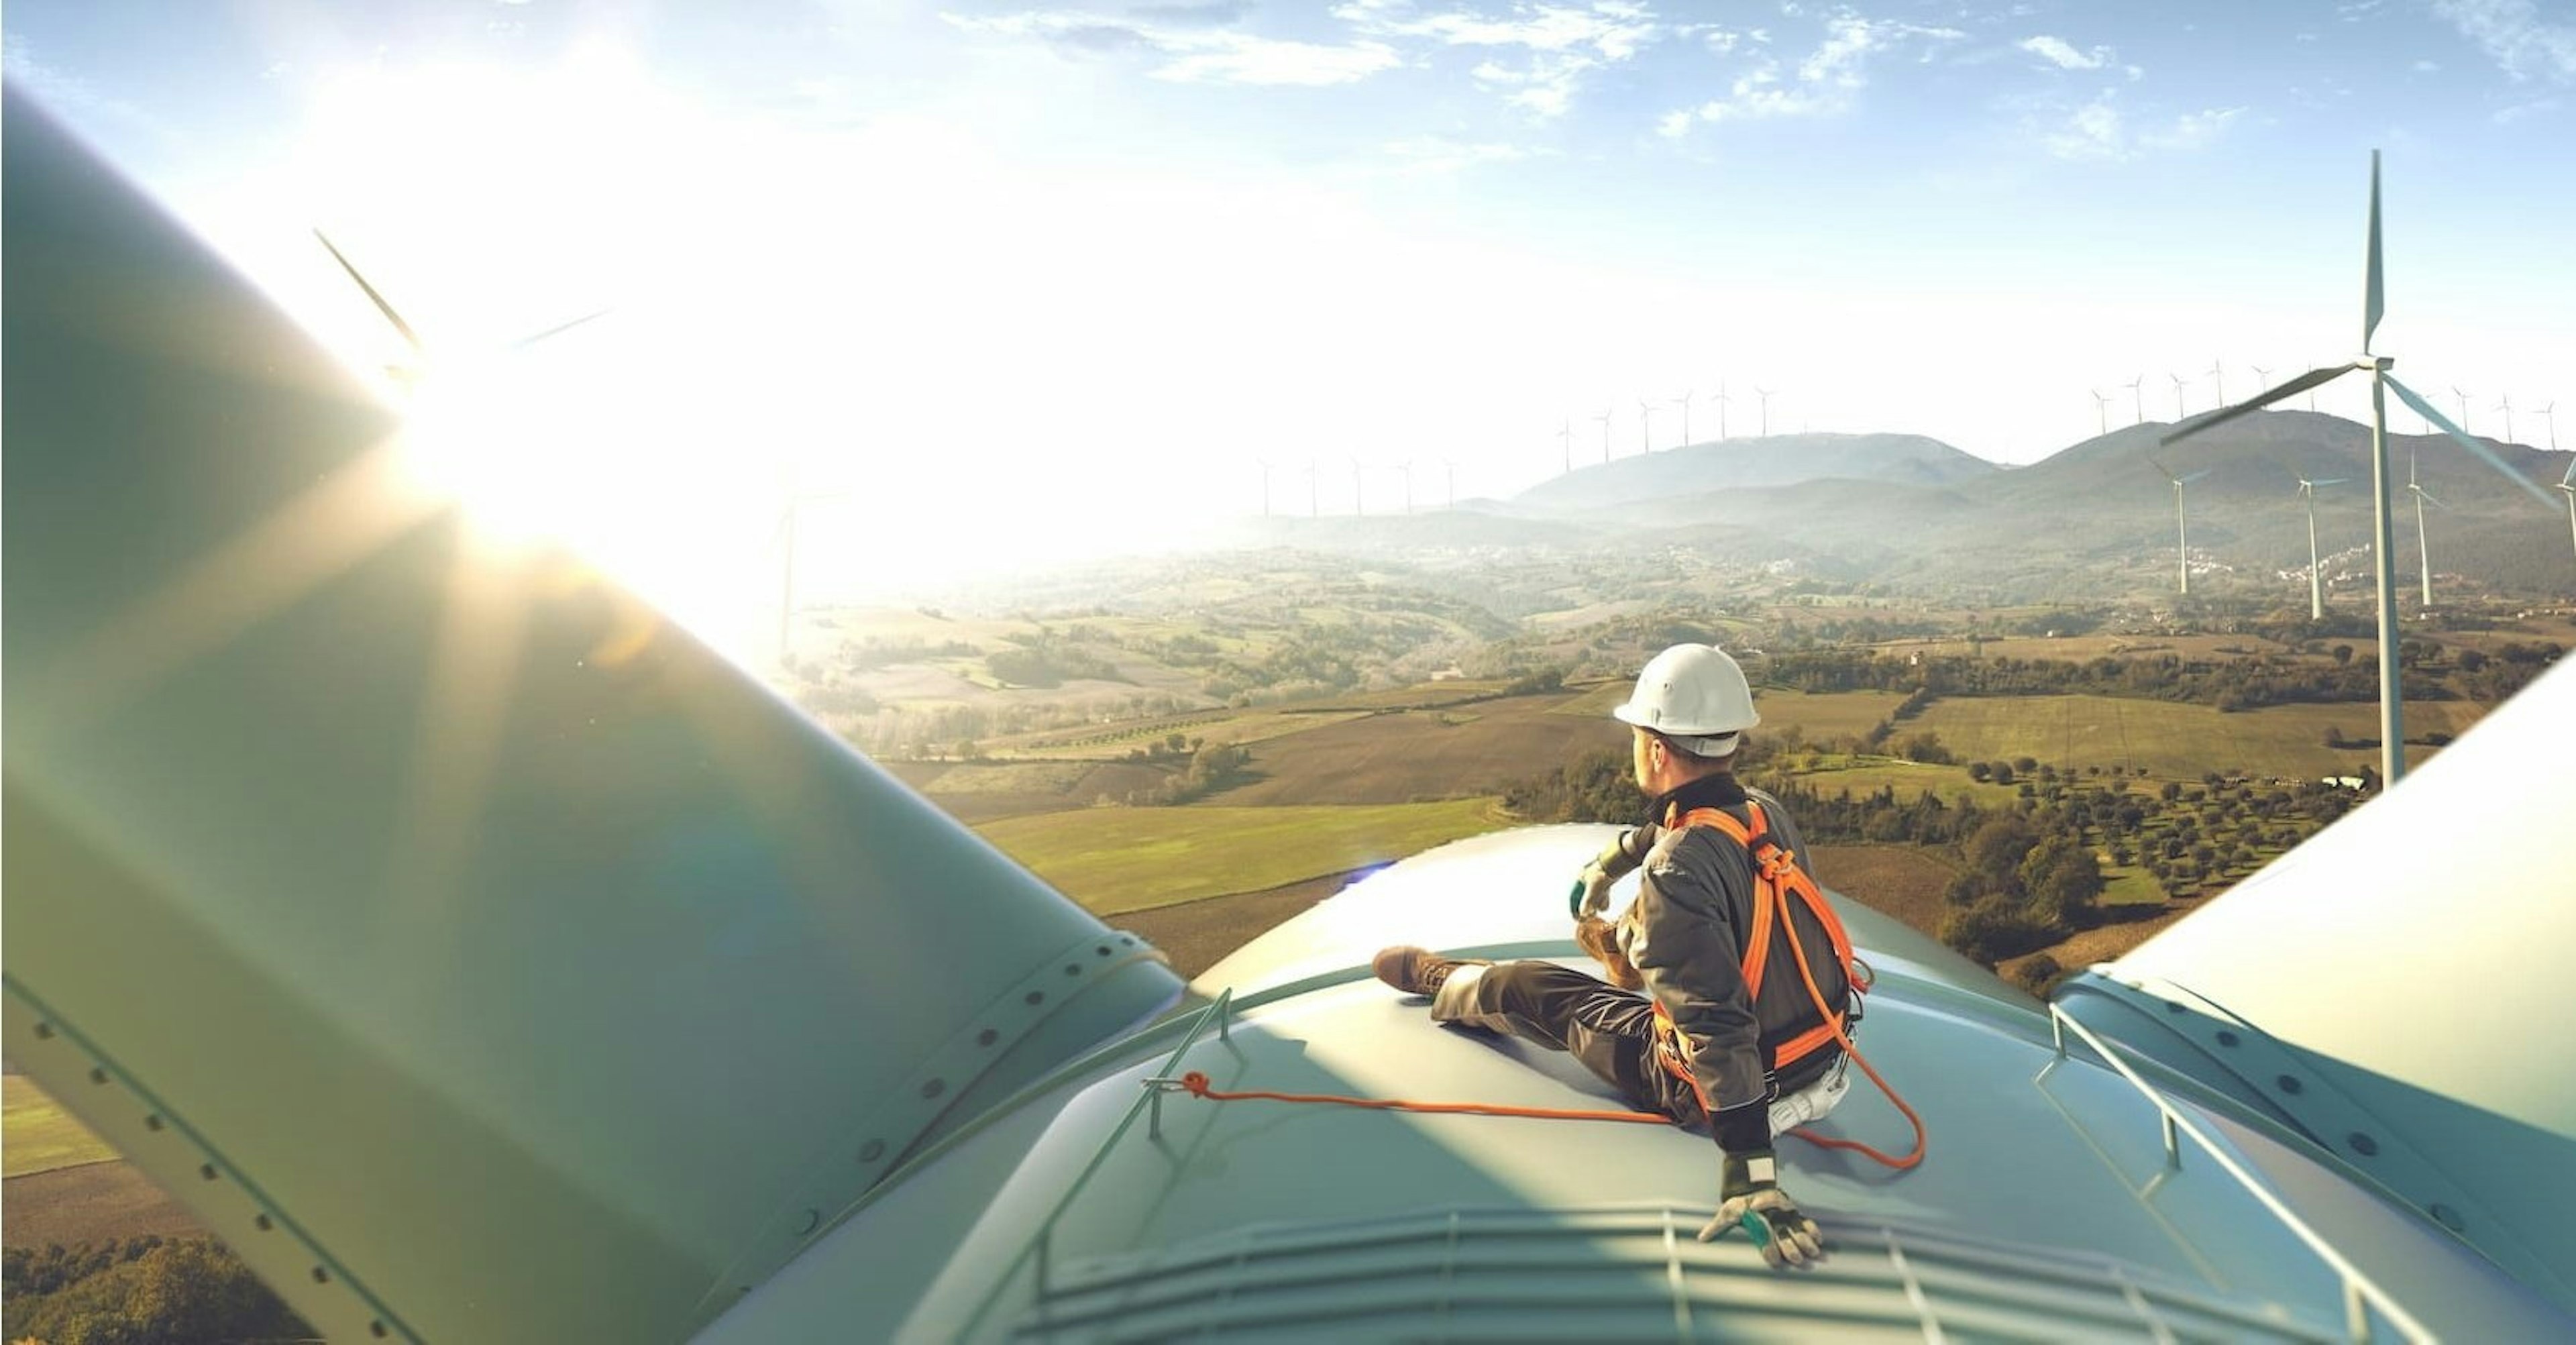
pixel 1751 1199
pixel 1595 937
pixel 1591 894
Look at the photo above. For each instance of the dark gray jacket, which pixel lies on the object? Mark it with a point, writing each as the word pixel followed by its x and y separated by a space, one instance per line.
pixel 1685 934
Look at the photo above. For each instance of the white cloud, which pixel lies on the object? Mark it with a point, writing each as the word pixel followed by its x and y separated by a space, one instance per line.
pixel 1439 154
pixel 1239 58
pixel 2059 52
pixel 1825 82
pixel 2515 37
pixel 2093 132
pixel 2426 67
pixel 2097 131
pixel 2192 129
pixel 1194 55
pixel 2509 115
pixel 1674 125
pixel 1558 46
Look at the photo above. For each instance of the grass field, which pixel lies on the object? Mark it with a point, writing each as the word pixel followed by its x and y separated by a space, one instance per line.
pixel 1417 755
pixel 1216 726
pixel 1834 715
pixel 2172 740
pixel 37 1135
pixel 2130 887
pixel 1127 859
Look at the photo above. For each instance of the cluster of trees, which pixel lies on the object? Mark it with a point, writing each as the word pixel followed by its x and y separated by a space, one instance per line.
pixel 2022 888
pixel 1210 769
pixel 140 1291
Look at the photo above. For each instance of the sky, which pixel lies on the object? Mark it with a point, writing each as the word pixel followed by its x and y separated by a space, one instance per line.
pixel 985 284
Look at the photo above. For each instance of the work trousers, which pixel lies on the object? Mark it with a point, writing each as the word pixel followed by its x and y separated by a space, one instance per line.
pixel 1612 1031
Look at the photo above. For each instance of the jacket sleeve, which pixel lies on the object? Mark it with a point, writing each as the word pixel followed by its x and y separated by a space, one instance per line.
pixel 1685 944
pixel 1622 856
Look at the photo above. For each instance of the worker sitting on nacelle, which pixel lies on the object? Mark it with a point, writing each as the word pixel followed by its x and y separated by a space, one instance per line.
pixel 1748 977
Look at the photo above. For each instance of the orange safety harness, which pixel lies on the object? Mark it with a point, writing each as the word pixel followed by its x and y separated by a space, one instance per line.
pixel 1776 875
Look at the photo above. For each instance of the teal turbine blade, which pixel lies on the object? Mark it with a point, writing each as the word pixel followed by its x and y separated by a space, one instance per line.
pixel 2488 455
pixel 2374 297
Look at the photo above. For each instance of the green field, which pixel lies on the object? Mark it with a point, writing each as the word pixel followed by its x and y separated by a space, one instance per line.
pixel 1111 741
pixel 37 1135
pixel 2173 740
pixel 1128 859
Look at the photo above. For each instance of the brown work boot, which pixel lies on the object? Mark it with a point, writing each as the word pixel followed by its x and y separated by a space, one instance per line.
pixel 1418 971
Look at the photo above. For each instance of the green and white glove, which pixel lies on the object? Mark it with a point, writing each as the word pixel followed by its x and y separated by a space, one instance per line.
pixel 1591 894
pixel 1751 1199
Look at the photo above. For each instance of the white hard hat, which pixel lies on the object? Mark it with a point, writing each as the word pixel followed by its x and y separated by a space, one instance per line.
pixel 1695 695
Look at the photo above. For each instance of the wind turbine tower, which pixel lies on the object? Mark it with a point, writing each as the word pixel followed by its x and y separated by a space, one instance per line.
pixel 1565 440
pixel 1359 494
pixel 2423 548
pixel 1765 395
pixel 2567 486
pixel 1604 418
pixel 2178 387
pixel 2182 535
pixel 1684 402
pixel 1645 428
pixel 2218 380
pixel 2463 395
pixel 2316 583
pixel 793 504
pixel 1721 399
pixel 2138 399
pixel 2374 304
pixel 2505 404
pixel 2102 409
pixel 1265 486
pixel 2550 413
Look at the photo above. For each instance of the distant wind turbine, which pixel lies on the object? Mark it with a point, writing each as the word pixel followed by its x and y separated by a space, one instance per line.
pixel 2316 584
pixel 1565 439
pixel 2462 394
pixel 1359 495
pixel 2139 398
pixel 1604 418
pixel 2218 380
pixel 1765 395
pixel 792 504
pixel 1265 486
pixel 2374 305
pixel 2423 548
pixel 1645 428
pixel 1721 399
pixel 2505 404
pixel 2102 409
pixel 2261 375
pixel 2178 387
pixel 2567 485
pixel 2182 535
pixel 410 373
pixel 1684 402
pixel 2550 413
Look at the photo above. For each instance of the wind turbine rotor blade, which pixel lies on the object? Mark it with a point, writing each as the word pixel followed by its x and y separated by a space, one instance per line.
pixel 2332 481
pixel 2569 480
pixel 2161 469
pixel 556 330
pixel 2374 298
pixel 2221 416
pixel 2185 481
pixel 408 335
pixel 2425 409
pixel 2429 497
